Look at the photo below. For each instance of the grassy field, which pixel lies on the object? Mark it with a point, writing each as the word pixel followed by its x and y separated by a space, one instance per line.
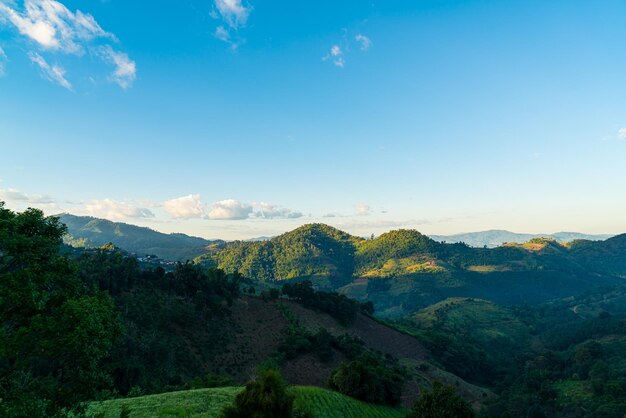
pixel 204 403
pixel 325 403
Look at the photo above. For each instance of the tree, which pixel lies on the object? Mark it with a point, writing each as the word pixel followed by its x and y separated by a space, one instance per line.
pixel 441 402
pixel 54 330
pixel 369 379
pixel 266 397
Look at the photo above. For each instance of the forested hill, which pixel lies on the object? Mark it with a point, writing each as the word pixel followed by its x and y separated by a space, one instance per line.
pixel 85 231
pixel 405 270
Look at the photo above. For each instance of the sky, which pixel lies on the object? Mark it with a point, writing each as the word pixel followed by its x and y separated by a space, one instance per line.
pixel 237 119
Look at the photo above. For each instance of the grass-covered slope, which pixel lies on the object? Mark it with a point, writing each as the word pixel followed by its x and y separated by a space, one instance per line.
pixel 207 403
pixel 85 231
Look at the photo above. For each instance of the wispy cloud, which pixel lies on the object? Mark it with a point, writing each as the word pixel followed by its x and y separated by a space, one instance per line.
pixel 3 58
pixel 338 52
pixel 125 69
pixel 336 56
pixel 113 210
pixel 622 133
pixel 222 34
pixel 53 73
pixel 53 28
pixel 364 42
pixel 234 14
pixel 186 207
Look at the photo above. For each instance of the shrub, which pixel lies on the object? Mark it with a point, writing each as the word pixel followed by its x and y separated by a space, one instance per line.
pixel 369 379
pixel 441 402
pixel 267 397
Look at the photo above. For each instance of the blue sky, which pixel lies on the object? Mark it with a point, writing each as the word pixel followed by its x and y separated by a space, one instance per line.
pixel 236 119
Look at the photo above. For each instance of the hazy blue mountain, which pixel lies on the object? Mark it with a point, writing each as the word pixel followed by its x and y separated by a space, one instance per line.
pixel 85 231
pixel 496 237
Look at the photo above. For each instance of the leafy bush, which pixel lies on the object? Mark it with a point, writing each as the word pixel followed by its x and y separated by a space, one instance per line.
pixel 369 379
pixel 266 397
pixel 441 402
pixel 340 307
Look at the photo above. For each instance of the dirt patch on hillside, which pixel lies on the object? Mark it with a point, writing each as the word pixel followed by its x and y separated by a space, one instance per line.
pixel 258 329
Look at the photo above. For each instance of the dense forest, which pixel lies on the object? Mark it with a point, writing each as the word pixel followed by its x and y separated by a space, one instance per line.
pixel 84 325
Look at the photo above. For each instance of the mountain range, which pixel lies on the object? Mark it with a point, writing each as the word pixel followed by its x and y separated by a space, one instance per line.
pixel 497 237
pixel 86 231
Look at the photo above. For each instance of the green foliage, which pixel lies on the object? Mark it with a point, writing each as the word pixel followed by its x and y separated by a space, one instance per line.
pixel 370 379
pixel 55 331
pixel 391 245
pixel 441 402
pixel 266 397
pixel 338 306
pixel 311 250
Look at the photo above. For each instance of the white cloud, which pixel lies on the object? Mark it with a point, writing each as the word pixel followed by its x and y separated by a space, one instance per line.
pixel 229 209
pixel 12 195
pixel 622 133
pixel 362 209
pixel 53 26
pixel 125 69
pixel 53 73
pixel 364 42
pixel 113 210
pixel 233 12
pixel 336 55
pixel 186 207
pixel 268 211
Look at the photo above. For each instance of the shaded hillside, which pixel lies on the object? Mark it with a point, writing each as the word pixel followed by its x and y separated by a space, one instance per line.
pixel 494 238
pixel 476 338
pixel 85 231
pixel 188 327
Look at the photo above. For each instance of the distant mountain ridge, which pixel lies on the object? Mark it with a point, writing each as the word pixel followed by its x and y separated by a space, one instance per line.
pixel 86 231
pixel 496 237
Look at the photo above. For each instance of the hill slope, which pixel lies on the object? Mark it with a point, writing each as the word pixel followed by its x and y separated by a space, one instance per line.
pixel 207 403
pixel 85 231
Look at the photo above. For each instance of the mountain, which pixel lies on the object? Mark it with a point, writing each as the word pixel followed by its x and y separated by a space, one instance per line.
pixel 85 231
pixel 315 251
pixel 403 271
pixel 496 237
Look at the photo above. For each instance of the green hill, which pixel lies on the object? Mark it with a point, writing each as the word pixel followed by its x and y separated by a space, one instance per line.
pixel 312 251
pixel 403 271
pixel 85 231
pixel 207 403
